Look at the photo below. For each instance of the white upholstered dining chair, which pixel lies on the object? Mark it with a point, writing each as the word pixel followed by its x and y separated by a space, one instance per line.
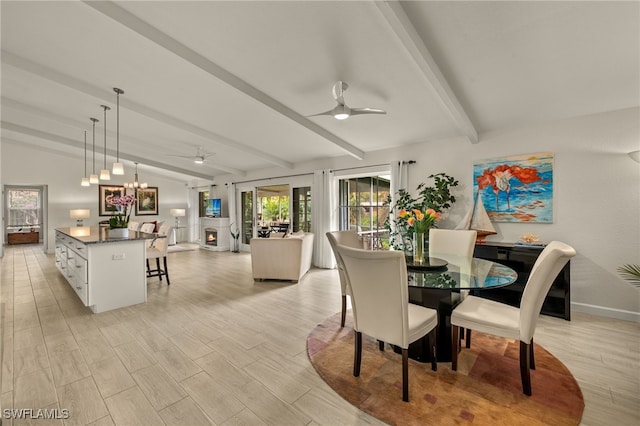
pixel 444 243
pixel 503 320
pixel 158 250
pixel 349 239
pixel 381 308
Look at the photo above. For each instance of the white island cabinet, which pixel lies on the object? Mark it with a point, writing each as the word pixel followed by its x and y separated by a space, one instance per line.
pixel 105 271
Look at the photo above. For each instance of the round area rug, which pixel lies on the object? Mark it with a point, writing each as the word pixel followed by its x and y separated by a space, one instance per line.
pixel 486 389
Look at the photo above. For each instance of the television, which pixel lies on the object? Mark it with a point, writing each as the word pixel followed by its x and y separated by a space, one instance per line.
pixel 214 207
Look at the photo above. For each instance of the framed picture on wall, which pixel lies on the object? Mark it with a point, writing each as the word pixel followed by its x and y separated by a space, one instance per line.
pixel 147 201
pixel 106 209
pixel 516 188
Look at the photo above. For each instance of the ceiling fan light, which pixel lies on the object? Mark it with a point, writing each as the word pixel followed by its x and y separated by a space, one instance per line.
pixel 341 116
pixel 118 169
pixel 198 161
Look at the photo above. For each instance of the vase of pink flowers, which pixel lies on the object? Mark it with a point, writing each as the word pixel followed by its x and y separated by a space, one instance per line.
pixel 119 222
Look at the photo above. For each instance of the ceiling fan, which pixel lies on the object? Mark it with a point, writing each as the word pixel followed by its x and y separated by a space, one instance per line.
pixel 199 158
pixel 342 111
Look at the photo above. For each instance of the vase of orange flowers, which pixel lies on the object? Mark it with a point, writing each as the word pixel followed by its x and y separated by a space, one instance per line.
pixel 438 197
pixel 420 222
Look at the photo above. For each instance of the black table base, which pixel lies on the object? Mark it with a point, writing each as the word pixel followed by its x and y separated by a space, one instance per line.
pixel 442 300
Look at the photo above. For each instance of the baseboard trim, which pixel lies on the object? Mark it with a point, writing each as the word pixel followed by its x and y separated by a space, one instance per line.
pixel 606 312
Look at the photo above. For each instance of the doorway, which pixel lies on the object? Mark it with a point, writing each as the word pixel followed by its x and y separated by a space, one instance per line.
pixel 25 214
pixel 272 209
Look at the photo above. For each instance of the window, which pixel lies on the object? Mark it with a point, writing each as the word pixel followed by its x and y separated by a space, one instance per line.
pixel 362 208
pixel 302 209
pixel 203 196
pixel 24 207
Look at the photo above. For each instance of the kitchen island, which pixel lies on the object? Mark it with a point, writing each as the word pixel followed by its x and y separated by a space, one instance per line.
pixel 105 269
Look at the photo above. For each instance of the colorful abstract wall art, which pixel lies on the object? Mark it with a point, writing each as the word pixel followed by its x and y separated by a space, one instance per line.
pixel 516 188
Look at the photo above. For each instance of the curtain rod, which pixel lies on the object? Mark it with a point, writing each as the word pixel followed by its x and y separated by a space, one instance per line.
pixel 270 178
pixel 333 170
pixel 372 165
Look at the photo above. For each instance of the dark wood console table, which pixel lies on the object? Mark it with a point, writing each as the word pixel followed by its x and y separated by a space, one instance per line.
pixel 32 237
pixel 521 258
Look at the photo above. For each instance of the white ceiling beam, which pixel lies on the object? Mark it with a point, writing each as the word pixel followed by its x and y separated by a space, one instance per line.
pixel 399 22
pixel 108 95
pixel 137 25
pixel 80 145
pixel 33 110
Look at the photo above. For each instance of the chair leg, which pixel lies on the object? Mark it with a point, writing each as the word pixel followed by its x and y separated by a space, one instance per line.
pixel 433 338
pixel 166 270
pixel 532 362
pixel 158 268
pixel 467 339
pixel 381 345
pixel 148 268
pixel 525 373
pixel 455 346
pixel 344 310
pixel 405 375
pixel 357 356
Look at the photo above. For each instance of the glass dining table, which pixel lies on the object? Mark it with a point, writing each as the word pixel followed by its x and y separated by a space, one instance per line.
pixel 437 283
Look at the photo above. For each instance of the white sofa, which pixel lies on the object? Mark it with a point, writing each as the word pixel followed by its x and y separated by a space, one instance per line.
pixel 281 258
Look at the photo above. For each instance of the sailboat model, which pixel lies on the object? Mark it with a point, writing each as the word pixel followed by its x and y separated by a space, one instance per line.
pixel 478 220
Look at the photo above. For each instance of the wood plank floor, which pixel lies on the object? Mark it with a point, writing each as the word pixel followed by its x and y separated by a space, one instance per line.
pixel 217 348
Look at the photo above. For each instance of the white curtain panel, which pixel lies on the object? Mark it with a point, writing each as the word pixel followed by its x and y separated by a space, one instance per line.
pixel 324 217
pixel 399 177
pixel 234 221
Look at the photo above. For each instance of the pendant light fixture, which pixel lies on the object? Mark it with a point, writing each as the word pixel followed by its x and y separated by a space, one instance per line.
pixel 104 173
pixel 85 179
pixel 94 177
pixel 118 169
pixel 136 183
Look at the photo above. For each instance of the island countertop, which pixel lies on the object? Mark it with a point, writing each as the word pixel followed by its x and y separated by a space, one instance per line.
pixel 101 234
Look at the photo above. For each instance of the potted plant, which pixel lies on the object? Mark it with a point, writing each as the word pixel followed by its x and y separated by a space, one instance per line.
pixel 435 198
pixel 120 221
pixel 630 273
pixel 235 235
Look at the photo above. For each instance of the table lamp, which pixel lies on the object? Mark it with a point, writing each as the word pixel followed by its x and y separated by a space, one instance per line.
pixel 177 213
pixel 79 214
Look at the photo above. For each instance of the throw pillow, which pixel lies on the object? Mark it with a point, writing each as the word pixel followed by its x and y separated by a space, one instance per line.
pixel 155 225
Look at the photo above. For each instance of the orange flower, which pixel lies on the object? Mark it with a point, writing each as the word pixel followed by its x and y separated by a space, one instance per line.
pixel 411 220
pixel 403 213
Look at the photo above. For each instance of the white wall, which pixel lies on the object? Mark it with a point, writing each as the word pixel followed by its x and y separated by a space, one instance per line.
pixel 22 165
pixel 596 195
pixel 596 192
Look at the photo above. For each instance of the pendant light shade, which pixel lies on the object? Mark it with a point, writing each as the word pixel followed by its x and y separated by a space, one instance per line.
pixel 118 169
pixel 85 179
pixel 104 173
pixel 94 177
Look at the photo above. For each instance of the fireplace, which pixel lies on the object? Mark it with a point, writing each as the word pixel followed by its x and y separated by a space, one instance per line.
pixel 214 233
pixel 211 237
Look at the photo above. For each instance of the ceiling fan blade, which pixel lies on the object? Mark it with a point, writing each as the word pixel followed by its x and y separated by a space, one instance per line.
pixel 330 112
pixel 358 111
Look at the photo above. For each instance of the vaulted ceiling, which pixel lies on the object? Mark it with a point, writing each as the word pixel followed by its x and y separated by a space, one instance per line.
pixel 240 79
